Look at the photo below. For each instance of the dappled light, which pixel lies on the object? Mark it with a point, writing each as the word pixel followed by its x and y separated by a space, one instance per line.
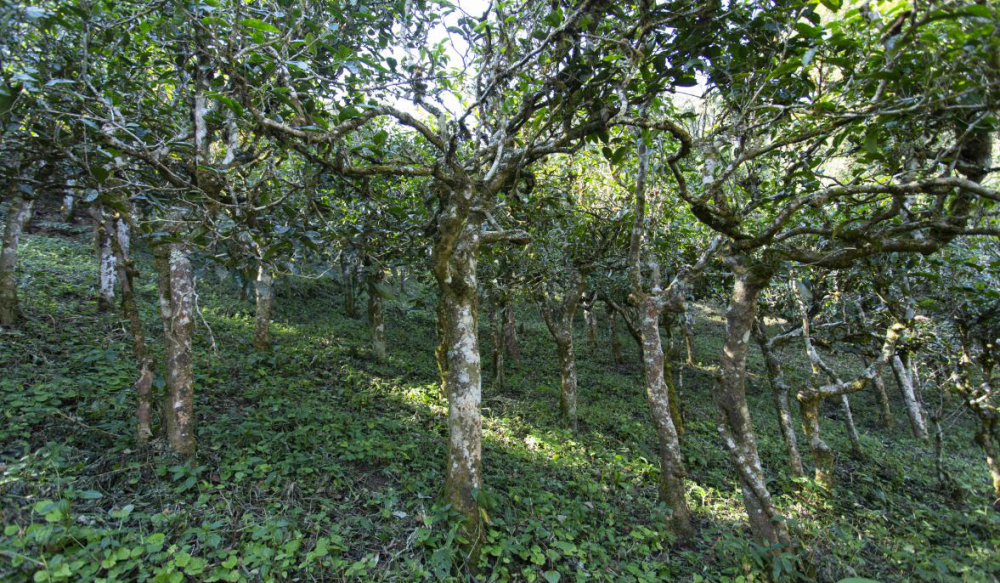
pixel 470 291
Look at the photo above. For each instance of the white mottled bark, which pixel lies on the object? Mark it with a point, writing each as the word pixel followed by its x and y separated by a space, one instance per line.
pixel 913 409
pixel 454 264
pixel 736 426
pixel 179 400
pixel 852 430
pixel 108 266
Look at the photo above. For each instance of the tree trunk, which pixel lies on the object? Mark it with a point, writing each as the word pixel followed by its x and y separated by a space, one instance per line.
pixel 616 345
pixel 986 439
pixel 454 263
pixel 852 430
pixel 161 261
pixel 780 391
pixel 735 426
pixel 510 332
pixel 687 329
pixel 567 376
pixel 496 337
pixel 106 259
pixel 264 292
pixel 144 384
pixel 658 396
pixel 18 214
pixel 347 277
pixel 590 318
pixel 376 310
pixel 179 397
pixel 885 410
pixel 822 454
pixel 909 398
pixel 69 202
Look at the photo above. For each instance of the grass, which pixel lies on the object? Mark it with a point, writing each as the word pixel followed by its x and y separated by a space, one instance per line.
pixel 318 463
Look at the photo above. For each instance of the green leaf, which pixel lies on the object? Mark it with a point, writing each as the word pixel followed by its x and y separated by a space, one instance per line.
pixel 979 10
pixel 857 580
pixel 552 576
pixel 833 5
pixel 260 25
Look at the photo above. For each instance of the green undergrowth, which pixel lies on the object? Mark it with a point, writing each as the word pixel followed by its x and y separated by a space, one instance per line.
pixel 318 463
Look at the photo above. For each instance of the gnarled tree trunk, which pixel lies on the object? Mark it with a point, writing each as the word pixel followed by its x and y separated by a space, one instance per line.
pixel 735 426
pixel 18 214
pixel 662 410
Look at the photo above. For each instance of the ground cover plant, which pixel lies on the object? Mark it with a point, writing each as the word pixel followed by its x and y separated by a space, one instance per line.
pixel 571 290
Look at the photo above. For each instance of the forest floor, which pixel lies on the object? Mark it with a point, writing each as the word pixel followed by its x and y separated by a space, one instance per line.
pixel 318 463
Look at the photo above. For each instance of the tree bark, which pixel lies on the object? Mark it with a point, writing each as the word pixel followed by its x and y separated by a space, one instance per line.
pixel 347 277
pixel 567 379
pixel 885 410
pixel 144 383
pixel 559 314
pixel 852 430
pixel 376 309
pixel 264 294
pixel 18 215
pixel 107 267
pixel 986 439
pixel 177 309
pixel 454 261
pixel 69 202
pixel 510 331
pixel 497 337
pixel 658 396
pixel 161 261
pixel 735 425
pixel 913 410
pixel 616 345
pixel 687 329
pixel 780 392
pixel 590 319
